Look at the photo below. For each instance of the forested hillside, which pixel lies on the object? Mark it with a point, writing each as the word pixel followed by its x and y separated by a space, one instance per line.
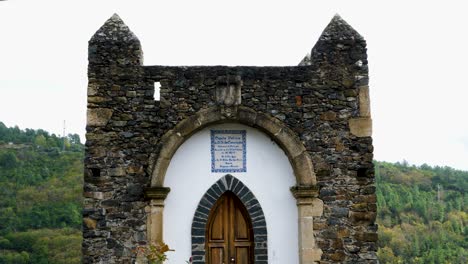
pixel 422 214
pixel 40 197
pixel 422 211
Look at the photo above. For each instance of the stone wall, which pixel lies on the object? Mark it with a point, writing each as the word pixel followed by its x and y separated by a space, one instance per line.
pixel 324 102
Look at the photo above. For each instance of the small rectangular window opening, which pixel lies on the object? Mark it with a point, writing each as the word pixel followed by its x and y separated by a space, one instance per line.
pixel 95 172
pixel 362 172
pixel 157 90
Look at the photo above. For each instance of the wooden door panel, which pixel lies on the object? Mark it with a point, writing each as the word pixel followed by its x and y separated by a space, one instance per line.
pixel 242 255
pixel 217 228
pixel 240 226
pixel 217 255
pixel 229 235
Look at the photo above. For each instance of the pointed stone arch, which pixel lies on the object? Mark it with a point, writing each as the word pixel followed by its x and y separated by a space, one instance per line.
pixel 294 149
pixel 229 183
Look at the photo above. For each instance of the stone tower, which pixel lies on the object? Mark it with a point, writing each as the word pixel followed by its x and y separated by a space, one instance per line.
pixel 316 114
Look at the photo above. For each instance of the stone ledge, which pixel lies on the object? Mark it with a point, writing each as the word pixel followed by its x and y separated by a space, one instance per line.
pixel 302 191
pixel 159 193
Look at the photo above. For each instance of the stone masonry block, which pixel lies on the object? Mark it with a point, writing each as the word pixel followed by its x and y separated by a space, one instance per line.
pixel 92 88
pixel 187 126
pixel 98 116
pixel 270 124
pixel 315 208
pixel 171 143
pixel 89 223
pixel 290 141
pixel 303 169
pixel 362 217
pixel 209 116
pixel 361 127
pixel 247 115
pixel 364 101
pixel 310 255
pixel 118 171
pixel 159 171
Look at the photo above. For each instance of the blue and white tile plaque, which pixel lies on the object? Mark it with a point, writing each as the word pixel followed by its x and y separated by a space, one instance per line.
pixel 228 151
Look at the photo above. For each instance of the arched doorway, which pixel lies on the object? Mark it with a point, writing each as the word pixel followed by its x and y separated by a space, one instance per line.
pixel 229 234
pixel 239 210
pixel 188 176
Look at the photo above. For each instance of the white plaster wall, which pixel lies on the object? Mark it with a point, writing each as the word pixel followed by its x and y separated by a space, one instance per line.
pixel 269 176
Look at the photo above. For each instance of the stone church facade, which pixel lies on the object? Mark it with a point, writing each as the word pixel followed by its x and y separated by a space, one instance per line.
pixel 221 124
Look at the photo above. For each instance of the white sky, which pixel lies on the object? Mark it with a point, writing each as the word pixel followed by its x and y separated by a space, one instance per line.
pixel 418 52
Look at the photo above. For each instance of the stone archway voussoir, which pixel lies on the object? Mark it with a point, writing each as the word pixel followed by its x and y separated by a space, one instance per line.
pixel 285 137
pixel 303 169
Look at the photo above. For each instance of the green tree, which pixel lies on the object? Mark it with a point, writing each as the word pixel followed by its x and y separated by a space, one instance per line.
pixel 41 141
pixel 8 160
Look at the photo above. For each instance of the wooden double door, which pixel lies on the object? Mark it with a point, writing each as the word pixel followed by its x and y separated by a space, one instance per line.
pixel 229 234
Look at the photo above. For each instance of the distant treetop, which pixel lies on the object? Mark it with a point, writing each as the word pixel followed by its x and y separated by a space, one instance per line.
pixel 39 138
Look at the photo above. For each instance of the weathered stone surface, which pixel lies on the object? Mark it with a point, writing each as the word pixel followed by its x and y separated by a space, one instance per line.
pixel 362 217
pixel 92 88
pixel 303 169
pixel 317 112
pixel 290 142
pixel 359 207
pixel 361 127
pixel 95 195
pixel 328 116
pixel 247 116
pixel 366 237
pixel 311 255
pixel 343 232
pixel 99 116
pixel 114 43
pixel 317 208
pixel 368 255
pixel 89 223
pixel 364 101
pixel 228 91
pixel 338 256
pixel 96 99
pixel 119 171
pixel 272 125
pixel 171 143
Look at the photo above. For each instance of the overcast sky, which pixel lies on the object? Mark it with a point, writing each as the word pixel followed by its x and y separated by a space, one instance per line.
pixel 418 56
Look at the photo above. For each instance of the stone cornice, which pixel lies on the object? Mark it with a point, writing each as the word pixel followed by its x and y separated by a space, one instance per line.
pixel 156 193
pixel 302 191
